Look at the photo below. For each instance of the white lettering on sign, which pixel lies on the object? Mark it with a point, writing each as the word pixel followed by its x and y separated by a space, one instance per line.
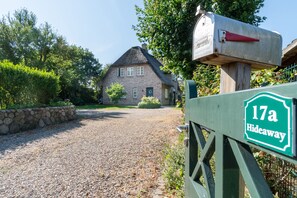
pixel 270 133
pixel 272 116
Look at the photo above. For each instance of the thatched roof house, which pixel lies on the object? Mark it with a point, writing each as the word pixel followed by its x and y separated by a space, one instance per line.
pixel 141 75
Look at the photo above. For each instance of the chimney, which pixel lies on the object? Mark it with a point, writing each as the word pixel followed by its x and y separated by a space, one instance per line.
pixel 144 46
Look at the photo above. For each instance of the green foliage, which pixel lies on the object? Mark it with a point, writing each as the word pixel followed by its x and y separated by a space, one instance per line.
pixel 23 42
pixel 98 79
pixel 174 168
pixel 60 103
pixel 267 77
pixel 39 105
pixel 149 103
pixel 279 174
pixel 167 27
pixel 179 104
pixel 101 106
pixel 207 79
pixel 5 98
pixel 21 85
pixel 115 92
pixel 242 10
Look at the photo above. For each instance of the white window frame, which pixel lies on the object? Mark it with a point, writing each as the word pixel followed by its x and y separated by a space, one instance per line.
pixel 166 93
pixel 140 71
pixel 130 71
pixel 134 92
pixel 122 72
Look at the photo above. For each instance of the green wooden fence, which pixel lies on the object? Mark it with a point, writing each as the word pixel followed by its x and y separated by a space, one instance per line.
pixel 216 130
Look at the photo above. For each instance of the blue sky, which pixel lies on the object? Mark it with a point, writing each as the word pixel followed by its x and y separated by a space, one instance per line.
pixel 105 26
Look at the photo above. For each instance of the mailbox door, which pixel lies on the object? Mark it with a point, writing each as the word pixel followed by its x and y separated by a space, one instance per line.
pixel 203 37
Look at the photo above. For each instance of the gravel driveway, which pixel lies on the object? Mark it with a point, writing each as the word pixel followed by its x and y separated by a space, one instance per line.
pixel 111 153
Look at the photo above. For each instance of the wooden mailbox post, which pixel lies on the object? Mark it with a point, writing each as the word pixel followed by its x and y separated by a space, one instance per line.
pixel 238 47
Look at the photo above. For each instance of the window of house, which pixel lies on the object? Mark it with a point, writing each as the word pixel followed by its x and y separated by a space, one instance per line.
pixel 140 71
pixel 130 71
pixel 166 93
pixel 134 92
pixel 122 72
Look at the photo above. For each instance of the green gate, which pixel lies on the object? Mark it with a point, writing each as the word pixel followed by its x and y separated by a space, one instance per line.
pixel 216 129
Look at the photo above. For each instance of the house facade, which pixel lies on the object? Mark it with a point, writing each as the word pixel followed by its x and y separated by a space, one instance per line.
pixel 140 74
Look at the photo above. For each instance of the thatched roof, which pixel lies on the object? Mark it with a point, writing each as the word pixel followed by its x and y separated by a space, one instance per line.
pixel 133 56
pixel 290 54
pixel 136 56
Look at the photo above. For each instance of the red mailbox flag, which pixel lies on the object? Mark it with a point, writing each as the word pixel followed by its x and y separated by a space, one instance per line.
pixel 239 38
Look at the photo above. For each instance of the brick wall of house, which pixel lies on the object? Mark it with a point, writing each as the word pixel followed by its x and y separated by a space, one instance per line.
pixel 149 79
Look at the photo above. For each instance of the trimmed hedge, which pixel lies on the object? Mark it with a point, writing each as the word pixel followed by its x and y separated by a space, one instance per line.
pixel 149 103
pixel 20 85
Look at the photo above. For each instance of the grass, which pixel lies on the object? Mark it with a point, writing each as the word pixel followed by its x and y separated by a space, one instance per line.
pixel 100 106
pixel 174 167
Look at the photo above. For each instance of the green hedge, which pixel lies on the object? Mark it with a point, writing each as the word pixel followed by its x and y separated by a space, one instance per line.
pixel 21 85
pixel 149 103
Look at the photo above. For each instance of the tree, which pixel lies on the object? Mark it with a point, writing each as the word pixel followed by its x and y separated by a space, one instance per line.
pixel 243 10
pixel 115 92
pixel 22 41
pixel 17 36
pixel 167 27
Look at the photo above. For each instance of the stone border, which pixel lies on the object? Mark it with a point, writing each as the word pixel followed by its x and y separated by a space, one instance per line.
pixel 13 121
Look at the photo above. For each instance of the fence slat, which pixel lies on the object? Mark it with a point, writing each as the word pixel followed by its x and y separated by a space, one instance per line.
pixel 250 170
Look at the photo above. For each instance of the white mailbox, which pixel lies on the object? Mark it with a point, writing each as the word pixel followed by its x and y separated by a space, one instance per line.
pixel 219 40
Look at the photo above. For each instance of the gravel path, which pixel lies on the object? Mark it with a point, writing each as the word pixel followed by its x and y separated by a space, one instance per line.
pixel 103 154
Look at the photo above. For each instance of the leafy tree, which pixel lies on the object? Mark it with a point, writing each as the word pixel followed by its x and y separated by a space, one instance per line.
pixel 22 41
pixel 98 79
pixel 17 36
pixel 167 27
pixel 115 92
pixel 243 10
pixel 43 43
pixel 86 65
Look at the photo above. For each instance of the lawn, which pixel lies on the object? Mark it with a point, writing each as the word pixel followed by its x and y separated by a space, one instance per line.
pixel 100 106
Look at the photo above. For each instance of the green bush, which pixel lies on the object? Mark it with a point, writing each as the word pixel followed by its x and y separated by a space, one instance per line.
pixel 21 85
pixel 149 103
pixel 115 92
pixel 60 103
pixel 174 168
pixel 51 104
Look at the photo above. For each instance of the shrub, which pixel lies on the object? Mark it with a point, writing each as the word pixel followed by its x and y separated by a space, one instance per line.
pixel 149 103
pixel 174 168
pixel 60 103
pixel 21 85
pixel 5 98
pixel 115 92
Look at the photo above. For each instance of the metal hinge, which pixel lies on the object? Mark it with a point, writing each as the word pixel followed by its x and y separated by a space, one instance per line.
pixel 182 128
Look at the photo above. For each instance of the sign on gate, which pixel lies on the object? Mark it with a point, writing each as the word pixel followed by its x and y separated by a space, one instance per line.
pixel 270 122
